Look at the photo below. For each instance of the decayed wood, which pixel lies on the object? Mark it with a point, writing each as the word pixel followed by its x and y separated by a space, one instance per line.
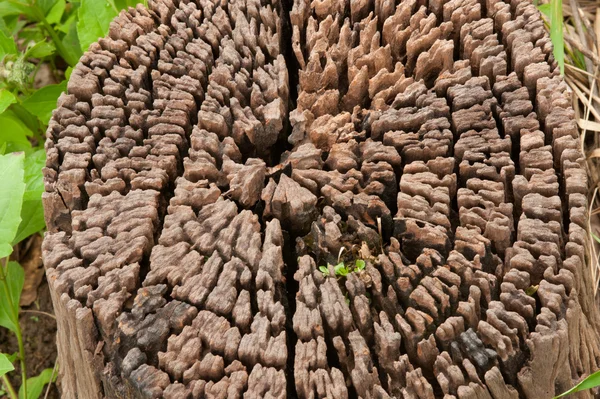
pixel 190 201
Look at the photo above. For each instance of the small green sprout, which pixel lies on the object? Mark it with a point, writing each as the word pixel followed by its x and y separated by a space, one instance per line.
pixel 531 290
pixel 342 270
pixel 359 265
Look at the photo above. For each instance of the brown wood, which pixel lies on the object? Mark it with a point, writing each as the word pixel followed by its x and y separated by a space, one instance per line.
pixel 209 156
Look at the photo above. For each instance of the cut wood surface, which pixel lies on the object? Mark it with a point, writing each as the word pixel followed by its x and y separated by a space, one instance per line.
pixel 212 160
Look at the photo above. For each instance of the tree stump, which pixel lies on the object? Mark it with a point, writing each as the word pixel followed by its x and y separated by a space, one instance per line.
pixel 210 159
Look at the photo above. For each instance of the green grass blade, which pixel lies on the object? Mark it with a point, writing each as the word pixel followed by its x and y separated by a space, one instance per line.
pixel 592 381
pixel 556 33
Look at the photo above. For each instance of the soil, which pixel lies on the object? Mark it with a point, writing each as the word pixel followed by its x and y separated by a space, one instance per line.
pixel 39 330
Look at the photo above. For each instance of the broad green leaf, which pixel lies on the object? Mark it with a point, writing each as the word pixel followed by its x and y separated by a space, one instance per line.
pixel 41 50
pixel 12 358
pixel 324 270
pixel 32 220
pixel 9 309
pixel 28 120
pixel 35 385
pixel 34 181
pixel 94 19
pixel 6 365
pixel 14 8
pixel 6 98
pixel 592 381
pixel 32 211
pixel 14 133
pixel 42 102
pixel 11 199
pixel 68 72
pixel 7 45
pixel 72 45
pixel 556 33
pixel 56 12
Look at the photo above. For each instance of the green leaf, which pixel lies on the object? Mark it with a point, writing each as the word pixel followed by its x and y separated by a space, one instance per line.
pixel 64 27
pixel 71 44
pixel 94 19
pixel 32 212
pixel 595 237
pixel 32 220
pixel 531 290
pixel 556 33
pixel 6 365
pixel 7 45
pixel 14 133
pixel 9 309
pixel 324 270
pixel 544 9
pixel 13 358
pixel 592 381
pixel 11 199
pixel 15 24
pixel 42 102
pixel 31 34
pixel 6 98
pixel 4 26
pixel 14 8
pixel 31 122
pixel 35 385
pixel 340 269
pixel 34 180
pixel 44 5
pixel 56 12
pixel 124 4
pixel 40 50
pixel 359 265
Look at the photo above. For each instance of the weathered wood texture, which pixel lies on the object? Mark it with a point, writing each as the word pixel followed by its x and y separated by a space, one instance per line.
pixel 192 192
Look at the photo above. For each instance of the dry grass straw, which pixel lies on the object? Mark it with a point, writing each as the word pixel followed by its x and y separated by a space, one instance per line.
pixel 582 73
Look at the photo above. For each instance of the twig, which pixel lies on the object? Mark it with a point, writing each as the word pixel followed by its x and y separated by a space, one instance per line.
pixel 40 313
pixel 574 68
pixel 581 33
pixel 593 248
pixel 51 378
pixel 574 85
pixel 574 43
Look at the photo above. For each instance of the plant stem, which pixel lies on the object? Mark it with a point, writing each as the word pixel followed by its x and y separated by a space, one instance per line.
pixel 9 387
pixel 39 15
pixel 18 332
pixel 51 379
pixel 22 360
pixel 57 42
